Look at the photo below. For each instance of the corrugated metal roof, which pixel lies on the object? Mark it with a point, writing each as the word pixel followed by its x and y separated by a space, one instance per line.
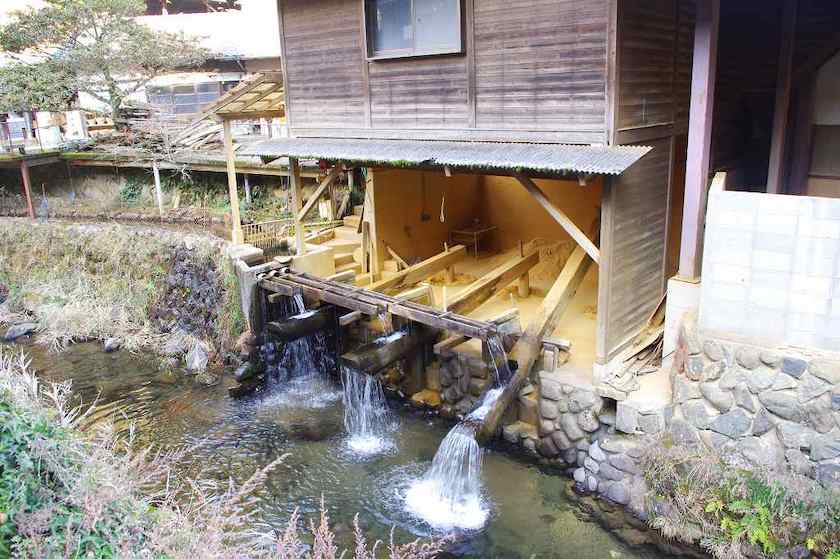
pixel 515 157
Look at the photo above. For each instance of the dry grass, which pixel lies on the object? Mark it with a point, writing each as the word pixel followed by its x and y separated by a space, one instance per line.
pixel 65 493
pixel 85 282
pixel 735 513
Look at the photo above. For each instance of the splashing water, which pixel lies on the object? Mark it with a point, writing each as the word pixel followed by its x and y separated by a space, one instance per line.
pixel 299 303
pixel 449 495
pixel 366 415
pixel 301 376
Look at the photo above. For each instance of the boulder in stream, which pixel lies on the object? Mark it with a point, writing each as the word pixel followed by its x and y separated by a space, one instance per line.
pixel 111 345
pixel 19 331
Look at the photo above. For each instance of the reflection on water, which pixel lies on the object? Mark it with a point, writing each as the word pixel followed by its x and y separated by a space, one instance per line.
pixel 529 515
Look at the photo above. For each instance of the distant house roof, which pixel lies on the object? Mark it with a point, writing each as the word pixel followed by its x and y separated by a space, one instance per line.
pixel 479 156
pixel 261 97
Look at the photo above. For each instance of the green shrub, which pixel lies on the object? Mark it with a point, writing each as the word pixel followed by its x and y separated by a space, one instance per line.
pixel 735 513
pixel 132 190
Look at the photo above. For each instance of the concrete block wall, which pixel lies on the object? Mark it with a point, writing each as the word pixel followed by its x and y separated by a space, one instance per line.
pixel 771 270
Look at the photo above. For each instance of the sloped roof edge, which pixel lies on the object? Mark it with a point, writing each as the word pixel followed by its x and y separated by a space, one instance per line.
pixel 512 157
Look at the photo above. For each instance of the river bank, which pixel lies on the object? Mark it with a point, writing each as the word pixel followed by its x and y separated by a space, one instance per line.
pixel 158 289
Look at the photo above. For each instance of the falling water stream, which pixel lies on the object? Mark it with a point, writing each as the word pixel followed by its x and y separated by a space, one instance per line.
pixel 369 423
pixel 449 496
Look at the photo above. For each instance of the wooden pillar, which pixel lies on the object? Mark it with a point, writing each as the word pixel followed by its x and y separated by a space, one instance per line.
pixel 803 137
pixel 701 115
pixel 523 286
pixel 778 145
pixel 376 254
pixel 230 156
pixel 158 190
pixel 247 182
pixel 296 187
pixel 27 188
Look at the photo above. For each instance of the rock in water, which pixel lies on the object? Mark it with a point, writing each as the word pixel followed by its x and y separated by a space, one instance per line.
pixel 20 330
pixel 198 357
pixel 207 378
pixel 111 345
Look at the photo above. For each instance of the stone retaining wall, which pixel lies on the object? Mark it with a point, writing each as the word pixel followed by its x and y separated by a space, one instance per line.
pixel 757 406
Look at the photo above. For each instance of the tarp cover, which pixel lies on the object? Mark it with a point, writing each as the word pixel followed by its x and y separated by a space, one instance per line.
pixel 479 156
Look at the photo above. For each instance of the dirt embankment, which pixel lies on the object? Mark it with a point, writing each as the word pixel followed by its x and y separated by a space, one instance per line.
pixel 146 287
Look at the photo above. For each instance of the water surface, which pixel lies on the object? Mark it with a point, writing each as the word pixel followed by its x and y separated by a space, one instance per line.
pixel 529 515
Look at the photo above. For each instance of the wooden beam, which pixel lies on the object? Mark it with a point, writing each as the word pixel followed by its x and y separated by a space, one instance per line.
pixel 781 111
pixel 27 188
pixel 480 291
pixel 561 218
pixel 230 158
pixel 450 343
pixel 527 349
pixel 296 188
pixel 421 271
pixel 325 184
pixel 701 116
pixel 395 256
pixel 350 318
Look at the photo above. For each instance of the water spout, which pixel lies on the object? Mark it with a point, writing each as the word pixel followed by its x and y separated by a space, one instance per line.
pixel 366 415
pixel 449 495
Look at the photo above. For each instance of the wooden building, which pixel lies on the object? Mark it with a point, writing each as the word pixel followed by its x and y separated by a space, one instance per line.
pixel 532 121
pixel 490 116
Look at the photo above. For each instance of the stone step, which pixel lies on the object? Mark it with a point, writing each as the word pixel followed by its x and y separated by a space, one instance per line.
pixel 353 221
pixel 347 233
pixel 357 210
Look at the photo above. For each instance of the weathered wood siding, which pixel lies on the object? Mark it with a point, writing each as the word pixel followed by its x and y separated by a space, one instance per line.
pixel 532 70
pixel 541 65
pixel 419 93
pixel 655 43
pixel 633 238
pixel 323 53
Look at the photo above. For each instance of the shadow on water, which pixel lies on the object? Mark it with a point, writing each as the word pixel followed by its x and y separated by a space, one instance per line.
pixel 527 512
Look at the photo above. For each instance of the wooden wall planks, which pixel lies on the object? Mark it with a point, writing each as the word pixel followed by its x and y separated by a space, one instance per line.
pixel 539 75
pixel 541 65
pixel 633 237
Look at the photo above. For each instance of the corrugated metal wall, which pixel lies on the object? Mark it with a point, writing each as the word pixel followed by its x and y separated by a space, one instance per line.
pixel 633 237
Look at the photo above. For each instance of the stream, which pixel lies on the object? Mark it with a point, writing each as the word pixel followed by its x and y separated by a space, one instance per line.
pixel 529 515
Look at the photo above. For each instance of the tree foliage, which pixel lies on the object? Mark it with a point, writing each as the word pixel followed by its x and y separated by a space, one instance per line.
pixel 91 46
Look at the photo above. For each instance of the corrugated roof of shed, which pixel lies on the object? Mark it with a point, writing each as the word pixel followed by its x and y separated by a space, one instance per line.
pixel 479 156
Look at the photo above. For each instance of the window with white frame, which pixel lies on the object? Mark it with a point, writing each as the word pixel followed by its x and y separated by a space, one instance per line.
pixel 400 28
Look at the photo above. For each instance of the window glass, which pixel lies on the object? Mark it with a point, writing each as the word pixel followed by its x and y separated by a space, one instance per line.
pixel 436 25
pixel 389 22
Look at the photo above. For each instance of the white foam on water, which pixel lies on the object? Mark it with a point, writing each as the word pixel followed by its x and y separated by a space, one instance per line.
pixel 423 500
pixel 449 495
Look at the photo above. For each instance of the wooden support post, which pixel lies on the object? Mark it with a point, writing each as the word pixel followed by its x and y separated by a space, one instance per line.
pixel 230 157
pixel 527 349
pixel 699 136
pixel 376 256
pixel 296 187
pixel 480 291
pixel 523 286
pixel 561 218
pixel 423 270
pixel 246 180
pixel 313 200
pixel 158 190
pixel 27 188
pixel 778 145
